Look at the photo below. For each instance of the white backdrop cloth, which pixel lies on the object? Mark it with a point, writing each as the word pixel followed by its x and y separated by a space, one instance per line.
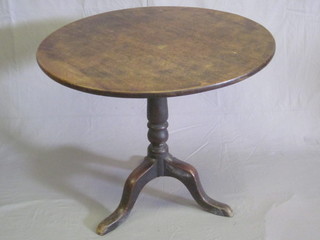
pixel 64 155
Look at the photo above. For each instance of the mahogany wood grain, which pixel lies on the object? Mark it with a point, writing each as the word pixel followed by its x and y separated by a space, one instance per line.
pixel 155 51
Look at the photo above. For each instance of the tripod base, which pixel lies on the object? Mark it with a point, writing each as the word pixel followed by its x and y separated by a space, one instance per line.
pixel 150 169
pixel 160 163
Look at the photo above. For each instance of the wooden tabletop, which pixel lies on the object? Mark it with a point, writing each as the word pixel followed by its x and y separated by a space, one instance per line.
pixel 155 51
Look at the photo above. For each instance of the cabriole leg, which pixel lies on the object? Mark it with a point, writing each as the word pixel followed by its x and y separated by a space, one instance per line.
pixel 188 175
pixel 134 184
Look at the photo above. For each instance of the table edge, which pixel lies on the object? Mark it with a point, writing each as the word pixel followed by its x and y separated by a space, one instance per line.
pixel 171 93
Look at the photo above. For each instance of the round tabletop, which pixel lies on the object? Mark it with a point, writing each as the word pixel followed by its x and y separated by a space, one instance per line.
pixel 155 51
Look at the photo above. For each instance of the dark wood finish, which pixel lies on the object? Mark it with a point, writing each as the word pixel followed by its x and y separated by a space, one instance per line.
pixel 157 114
pixel 155 51
pixel 159 162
